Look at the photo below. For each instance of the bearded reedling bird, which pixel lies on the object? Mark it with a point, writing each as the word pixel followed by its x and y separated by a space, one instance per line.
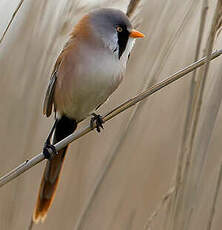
pixel 86 73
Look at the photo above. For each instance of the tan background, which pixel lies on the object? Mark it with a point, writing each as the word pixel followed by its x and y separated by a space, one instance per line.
pixel 114 180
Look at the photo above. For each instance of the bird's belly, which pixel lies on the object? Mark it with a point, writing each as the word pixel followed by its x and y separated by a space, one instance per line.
pixel 81 89
pixel 90 91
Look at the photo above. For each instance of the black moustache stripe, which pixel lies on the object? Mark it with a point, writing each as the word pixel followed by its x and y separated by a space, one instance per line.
pixel 122 41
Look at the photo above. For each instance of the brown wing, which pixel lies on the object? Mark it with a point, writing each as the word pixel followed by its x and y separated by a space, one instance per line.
pixel 79 30
pixel 49 96
pixel 48 101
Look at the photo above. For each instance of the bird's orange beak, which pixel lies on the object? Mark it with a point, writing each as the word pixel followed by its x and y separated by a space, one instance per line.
pixel 136 34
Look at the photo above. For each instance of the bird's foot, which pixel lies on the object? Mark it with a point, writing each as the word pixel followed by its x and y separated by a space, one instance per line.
pixel 99 122
pixel 49 150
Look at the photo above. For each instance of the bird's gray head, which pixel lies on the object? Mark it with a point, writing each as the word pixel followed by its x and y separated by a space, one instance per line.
pixel 114 29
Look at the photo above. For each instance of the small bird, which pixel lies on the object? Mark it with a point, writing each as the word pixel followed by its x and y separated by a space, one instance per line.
pixel 87 71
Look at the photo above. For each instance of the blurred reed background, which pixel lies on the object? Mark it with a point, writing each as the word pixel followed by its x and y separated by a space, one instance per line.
pixel 155 166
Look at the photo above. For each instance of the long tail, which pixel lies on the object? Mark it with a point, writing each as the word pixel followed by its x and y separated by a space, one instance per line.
pixel 50 178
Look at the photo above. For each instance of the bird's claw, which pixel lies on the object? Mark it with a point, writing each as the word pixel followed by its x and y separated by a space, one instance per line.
pixel 99 122
pixel 49 150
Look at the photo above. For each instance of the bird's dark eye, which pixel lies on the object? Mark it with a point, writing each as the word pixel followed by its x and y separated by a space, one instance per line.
pixel 119 29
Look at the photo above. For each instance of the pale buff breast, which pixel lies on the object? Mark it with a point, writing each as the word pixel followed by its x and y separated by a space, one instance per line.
pixel 86 78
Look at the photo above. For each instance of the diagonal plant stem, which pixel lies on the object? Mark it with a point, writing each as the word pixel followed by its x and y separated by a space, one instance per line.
pixel 11 20
pixel 122 107
pixel 132 7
